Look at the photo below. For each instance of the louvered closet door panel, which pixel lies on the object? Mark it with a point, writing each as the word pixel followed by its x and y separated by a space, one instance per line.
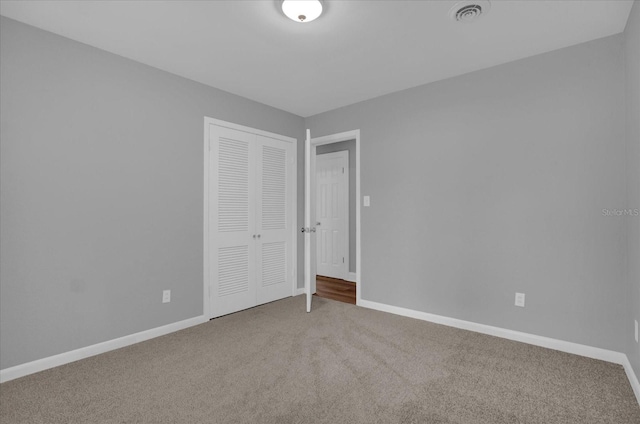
pixel 232 220
pixel 275 279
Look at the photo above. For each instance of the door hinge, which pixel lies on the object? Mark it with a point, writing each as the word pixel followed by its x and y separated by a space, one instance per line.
pixel 342 260
pixel 343 169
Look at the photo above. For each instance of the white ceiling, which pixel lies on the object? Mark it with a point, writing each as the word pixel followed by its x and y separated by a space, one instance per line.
pixel 355 51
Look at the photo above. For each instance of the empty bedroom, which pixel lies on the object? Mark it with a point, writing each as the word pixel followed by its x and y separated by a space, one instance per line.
pixel 320 211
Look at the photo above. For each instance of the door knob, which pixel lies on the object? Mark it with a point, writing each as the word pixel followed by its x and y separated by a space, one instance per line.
pixel 318 224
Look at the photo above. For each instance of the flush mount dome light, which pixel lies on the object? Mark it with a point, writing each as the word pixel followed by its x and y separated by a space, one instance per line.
pixel 302 10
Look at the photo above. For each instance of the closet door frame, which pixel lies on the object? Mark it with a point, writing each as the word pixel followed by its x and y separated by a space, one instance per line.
pixel 292 208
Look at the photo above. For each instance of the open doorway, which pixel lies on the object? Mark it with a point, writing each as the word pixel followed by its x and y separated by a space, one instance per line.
pixel 335 221
pixel 335 212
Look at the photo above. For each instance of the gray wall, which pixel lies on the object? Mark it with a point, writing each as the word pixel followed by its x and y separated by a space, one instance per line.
pixel 350 146
pixel 101 192
pixel 481 185
pixel 493 183
pixel 632 50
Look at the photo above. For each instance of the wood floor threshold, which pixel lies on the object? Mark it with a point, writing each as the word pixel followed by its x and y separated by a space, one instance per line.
pixel 335 289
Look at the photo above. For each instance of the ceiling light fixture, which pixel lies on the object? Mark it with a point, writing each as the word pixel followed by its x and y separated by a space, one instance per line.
pixel 302 10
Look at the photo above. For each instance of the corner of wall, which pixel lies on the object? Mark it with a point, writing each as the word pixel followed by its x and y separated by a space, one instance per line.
pixel 631 45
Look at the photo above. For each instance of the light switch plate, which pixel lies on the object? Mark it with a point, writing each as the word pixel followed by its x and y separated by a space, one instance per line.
pixel 520 299
pixel 166 296
pixel 367 201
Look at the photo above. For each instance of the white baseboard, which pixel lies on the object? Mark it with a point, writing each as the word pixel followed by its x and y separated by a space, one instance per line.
pixel 299 291
pixel 351 277
pixel 21 370
pixel 633 379
pixel 561 345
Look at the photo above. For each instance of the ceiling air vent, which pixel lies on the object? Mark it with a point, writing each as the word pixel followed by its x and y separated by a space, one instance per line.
pixel 469 11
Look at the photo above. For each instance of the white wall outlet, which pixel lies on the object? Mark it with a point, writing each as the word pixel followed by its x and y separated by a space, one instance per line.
pixel 367 201
pixel 520 299
pixel 636 329
pixel 166 296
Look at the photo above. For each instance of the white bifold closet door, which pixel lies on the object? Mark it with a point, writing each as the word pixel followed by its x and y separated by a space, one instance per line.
pixel 274 254
pixel 249 223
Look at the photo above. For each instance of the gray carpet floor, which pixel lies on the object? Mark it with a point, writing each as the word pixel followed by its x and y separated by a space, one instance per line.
pixel 339 364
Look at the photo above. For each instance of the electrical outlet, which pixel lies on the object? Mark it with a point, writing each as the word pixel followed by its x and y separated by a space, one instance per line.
pixel 367 201
pixel 166 296
pixel 636 329
pixel 520 299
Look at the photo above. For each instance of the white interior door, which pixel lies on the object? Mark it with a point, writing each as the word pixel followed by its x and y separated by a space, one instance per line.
pixel 332 215
pixel 273 231
pixel 307 219
pixel 232 220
